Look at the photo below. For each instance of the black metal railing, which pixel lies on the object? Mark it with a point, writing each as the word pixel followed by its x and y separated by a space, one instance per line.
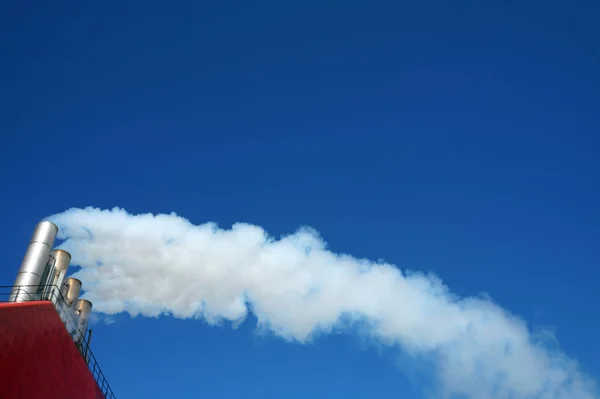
pixel 81 339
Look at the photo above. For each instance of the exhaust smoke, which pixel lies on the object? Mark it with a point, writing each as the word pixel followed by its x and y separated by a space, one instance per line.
pixel 162 264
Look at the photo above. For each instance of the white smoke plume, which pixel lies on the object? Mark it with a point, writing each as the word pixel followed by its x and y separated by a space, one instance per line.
pixel 163 264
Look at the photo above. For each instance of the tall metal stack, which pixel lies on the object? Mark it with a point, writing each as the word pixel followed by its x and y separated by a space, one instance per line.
pixel 83 308
pixel 61 260
pixel 70 290
pixel 35 263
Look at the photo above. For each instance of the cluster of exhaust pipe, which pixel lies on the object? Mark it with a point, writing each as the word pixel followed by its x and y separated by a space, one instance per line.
pixel 42 276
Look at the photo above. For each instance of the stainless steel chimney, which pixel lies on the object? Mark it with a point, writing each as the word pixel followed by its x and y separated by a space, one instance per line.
pixel 83 308
pixel 61 264
pixel 70 289
pixel 26 287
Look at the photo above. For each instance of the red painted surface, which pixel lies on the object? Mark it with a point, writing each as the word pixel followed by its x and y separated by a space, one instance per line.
pixel 38 358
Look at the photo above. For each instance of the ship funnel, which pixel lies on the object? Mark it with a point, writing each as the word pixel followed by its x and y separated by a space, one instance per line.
pixel 61 264
pixel 83 308
pixel 70 289
pixel 26 287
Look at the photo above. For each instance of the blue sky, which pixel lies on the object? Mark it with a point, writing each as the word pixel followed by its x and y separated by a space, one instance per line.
pixel 456 138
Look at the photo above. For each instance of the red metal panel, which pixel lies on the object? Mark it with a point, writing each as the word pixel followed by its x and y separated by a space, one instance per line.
pixel 38 358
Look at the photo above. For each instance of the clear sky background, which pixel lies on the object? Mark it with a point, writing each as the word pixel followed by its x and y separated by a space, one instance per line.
pixel 460 138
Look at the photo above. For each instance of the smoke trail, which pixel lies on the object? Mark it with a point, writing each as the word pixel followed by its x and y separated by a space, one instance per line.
pixel 163 264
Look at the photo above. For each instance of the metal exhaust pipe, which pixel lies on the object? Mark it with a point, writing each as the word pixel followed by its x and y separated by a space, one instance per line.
pixel 83 308
pixel 61 265
pixel 70 289
pixel 69 293
pixel 26 286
